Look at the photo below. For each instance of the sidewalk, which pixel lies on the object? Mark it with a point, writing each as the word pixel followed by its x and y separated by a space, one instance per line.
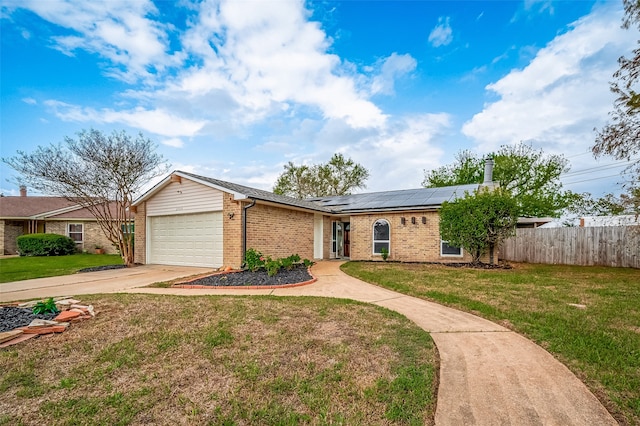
pixel 489 375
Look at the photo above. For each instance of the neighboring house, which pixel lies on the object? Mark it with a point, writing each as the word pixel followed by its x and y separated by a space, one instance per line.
pixel 188 219
pixel 621 220
pixel 52 215
pixel 533 222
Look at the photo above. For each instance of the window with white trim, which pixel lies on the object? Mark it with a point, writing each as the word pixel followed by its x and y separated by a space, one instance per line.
pixel 76 232
pixel 447 250
pixel 381 234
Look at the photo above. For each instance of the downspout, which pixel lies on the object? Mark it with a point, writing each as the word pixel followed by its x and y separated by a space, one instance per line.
pixel 244 228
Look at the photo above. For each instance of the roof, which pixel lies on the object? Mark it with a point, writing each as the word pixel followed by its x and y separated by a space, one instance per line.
pixel 409 199
pixel 31 207
pixel 240 192
pixel 27 207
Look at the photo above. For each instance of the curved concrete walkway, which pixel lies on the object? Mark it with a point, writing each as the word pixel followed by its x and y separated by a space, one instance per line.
pixel 489 375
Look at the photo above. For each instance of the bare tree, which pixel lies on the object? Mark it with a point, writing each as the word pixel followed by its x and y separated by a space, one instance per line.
pixel 100 172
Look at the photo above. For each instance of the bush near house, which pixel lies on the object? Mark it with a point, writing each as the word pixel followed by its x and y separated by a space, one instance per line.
pixel 255 260
pixel 45 245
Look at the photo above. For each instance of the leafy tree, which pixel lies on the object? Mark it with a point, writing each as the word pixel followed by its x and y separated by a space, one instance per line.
pixel 621 137
pixel 608 205
pixel 339 176
pixel 532 177
pixel 479 221
pixel 102 173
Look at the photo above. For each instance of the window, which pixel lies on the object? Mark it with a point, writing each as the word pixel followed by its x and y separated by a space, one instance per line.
pixel 76 232
pixel 380 236
pixel 447 250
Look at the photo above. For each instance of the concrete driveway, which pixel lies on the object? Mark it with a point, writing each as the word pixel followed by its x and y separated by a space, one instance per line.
pixel 109 281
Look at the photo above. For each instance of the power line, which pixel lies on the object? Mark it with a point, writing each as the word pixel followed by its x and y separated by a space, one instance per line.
pixel 587 180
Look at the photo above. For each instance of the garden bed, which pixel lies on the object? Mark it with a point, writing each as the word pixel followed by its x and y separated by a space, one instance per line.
pixel 296 275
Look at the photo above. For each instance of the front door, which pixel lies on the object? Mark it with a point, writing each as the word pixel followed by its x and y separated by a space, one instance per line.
pixel 340 240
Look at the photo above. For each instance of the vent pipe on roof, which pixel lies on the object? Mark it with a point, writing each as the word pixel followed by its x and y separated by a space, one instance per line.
pixel 488 170
pixel 23 190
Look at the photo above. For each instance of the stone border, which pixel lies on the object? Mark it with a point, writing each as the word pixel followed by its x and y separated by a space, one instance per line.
pixel 185 285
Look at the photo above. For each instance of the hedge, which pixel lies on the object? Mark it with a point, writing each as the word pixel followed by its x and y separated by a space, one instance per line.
pixel 45 245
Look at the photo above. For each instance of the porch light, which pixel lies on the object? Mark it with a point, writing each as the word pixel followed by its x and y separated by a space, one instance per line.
pixel 413 220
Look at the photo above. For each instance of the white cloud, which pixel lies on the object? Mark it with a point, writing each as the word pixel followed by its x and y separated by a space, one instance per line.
pixel 442 34
pixel 29 101
pixel 562 94
pixel 392 68
pixel 118 30
pixel 174 142
pixel 156 121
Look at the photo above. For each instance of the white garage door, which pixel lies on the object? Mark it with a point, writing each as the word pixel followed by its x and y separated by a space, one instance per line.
pixel 188 239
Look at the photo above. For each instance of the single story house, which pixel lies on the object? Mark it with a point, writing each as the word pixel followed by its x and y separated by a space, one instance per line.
pixel 187 219
pixel 20 215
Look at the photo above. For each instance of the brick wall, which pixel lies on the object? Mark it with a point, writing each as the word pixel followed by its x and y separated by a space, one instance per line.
pixel 408 243
pixel 9 231
pixel 92 235
pixel 140 239
pixel 279 232
pixel 232 231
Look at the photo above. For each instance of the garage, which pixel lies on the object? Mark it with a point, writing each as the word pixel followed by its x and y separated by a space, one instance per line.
pixel 186 239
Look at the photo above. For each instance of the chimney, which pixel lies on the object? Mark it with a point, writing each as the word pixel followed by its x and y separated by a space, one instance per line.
pixel 23 190
pixel 488 171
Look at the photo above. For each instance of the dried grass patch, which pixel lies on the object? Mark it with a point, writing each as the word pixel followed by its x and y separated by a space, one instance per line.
pixel 197 360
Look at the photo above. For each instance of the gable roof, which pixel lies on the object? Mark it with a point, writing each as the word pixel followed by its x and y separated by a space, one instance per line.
pixel 240 192
pixel 409 199
pixel 31 207
pixel 35 207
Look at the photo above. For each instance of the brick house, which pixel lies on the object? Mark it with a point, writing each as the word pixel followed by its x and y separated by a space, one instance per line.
pixel 194 220
pixel 52 215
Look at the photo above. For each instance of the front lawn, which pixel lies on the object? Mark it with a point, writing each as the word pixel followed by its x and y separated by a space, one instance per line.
pixel 224 360
pixel 588 317
pixel 28 267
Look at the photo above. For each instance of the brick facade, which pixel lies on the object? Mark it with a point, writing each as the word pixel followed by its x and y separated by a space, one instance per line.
pixel 9 231
pixel 92 235
pixel 419 242
pixel 280 232
pixel 232 231
pixel 140 239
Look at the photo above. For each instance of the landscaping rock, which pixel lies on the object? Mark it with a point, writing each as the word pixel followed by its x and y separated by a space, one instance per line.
pixel 12 317
pixel 67 315
pixel 41 323
pixel 8 335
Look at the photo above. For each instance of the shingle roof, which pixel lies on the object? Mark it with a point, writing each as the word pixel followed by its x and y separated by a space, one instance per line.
pixel 260 194
pixel 24 207
pixel 43 207
pixel 395 200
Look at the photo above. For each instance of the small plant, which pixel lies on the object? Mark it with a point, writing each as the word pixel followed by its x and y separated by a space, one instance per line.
pixel 307 263
pixel 272 267
pixel 384 252
pixel 46 307
pixel 254 260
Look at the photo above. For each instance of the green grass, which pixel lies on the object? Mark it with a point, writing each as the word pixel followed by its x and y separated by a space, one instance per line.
pixel 224 360
pixel 25 268
pixel 600 343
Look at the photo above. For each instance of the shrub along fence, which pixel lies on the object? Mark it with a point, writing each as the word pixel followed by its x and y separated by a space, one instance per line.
pixel 604 245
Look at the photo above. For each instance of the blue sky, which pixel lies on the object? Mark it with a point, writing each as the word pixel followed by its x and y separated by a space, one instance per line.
pixel 236 89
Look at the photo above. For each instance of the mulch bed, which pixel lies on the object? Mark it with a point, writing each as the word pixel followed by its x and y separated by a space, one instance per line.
pixel 102 268
pixel 298 274
pixel 12 317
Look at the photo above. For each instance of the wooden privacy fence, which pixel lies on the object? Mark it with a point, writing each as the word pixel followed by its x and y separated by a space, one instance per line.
pixel 604 245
